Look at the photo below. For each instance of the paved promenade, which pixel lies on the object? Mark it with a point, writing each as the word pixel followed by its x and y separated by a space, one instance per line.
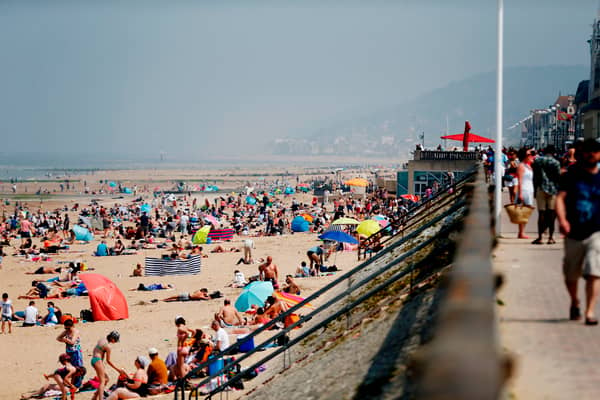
pixel 555 358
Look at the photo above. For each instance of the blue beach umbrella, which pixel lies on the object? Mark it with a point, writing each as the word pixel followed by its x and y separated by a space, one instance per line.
pixel 112 184
pixel 250 200
pixel 338 236
pixel 147 208
pixel 254 294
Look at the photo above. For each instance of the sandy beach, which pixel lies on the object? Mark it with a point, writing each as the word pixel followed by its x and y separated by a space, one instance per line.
pixel 30 352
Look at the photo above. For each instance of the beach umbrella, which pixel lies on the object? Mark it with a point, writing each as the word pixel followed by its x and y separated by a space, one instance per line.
pixel 112 184
pixel 106 299
pixel 467 137
pixel 289 190
pixel 338 236
pixel 368 227
pixel 250 200
pixel 303 185
pixel 381 220
pixel 147 208
pixel 411 197
pixel 201 235
pixel 357 182
pixel 254 294
pixel 345 221
pixel 211 219
pixel 291 299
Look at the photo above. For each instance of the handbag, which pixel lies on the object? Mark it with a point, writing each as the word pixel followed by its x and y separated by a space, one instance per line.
pixel 518 214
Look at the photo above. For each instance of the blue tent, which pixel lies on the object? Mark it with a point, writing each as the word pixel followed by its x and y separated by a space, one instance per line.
pixel 250 200
pixel 112 184
pixel 299 224
pixel 82 233
pixel 127 190
pixel 147 208
pixel 289 190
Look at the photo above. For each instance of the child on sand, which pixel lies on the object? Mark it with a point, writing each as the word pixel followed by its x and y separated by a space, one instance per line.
pixel 65 378
pixel 7 312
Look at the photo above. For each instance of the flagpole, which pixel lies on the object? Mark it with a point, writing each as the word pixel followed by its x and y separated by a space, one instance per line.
pixel 499 100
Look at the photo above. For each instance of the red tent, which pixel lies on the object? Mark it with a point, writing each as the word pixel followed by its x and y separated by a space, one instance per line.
pixel 467 137
pixel 106 299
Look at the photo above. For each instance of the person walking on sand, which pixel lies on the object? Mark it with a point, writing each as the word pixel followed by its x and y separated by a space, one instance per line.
pixel 578 212
pixel 546 176
pixel 100 354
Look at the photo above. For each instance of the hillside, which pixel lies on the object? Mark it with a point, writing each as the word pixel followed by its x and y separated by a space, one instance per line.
pixel 395 130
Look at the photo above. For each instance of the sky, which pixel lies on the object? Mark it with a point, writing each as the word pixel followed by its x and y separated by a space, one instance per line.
pixel 199 78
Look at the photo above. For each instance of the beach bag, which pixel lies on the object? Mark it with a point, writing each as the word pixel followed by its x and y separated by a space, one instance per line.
pixel 86 315
pixel 518 214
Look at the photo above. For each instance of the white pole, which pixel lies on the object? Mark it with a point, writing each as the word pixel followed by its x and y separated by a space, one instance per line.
pixel 499 100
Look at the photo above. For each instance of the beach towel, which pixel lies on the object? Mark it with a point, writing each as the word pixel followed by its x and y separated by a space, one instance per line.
pixel 221 234
pixel 161 267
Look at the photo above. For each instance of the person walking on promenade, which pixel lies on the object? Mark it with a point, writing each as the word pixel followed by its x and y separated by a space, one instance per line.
pixel 525 183
pixel 546 176
pixel 578 212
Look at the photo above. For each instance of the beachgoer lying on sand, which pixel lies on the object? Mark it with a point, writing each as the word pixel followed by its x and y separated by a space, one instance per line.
pixel 228 316
pixel 44 270
pixel 137 385
pixel 220 249
pixel 68 378
pixel 39 290
pixel 153 286
pixel 201 294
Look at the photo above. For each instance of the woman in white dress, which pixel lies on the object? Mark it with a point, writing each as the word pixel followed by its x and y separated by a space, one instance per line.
pixel 525 183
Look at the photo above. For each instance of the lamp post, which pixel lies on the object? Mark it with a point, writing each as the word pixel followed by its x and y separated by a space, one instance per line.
pixel 499 100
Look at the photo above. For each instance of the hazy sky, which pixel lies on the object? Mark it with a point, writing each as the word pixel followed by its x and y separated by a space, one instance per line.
pixel 201 77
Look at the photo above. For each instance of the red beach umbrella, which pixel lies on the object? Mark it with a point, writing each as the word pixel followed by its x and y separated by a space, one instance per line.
pixel 468 137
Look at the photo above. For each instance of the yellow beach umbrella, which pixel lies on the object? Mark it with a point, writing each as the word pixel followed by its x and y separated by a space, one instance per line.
pixel 368 227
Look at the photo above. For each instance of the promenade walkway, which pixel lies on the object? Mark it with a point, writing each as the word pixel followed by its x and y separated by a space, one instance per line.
pixel 555 358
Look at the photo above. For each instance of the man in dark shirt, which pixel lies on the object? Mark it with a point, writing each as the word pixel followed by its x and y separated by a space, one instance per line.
pixel 578 212
pixel 144 223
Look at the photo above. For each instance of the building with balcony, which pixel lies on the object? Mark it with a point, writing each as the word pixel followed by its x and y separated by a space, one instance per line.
pixel 590 113
pixel 429 166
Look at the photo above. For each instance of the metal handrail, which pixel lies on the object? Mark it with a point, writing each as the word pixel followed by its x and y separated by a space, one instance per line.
pixel 348 307
pixel 467 318
pixel 415 212
pixel 234 347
